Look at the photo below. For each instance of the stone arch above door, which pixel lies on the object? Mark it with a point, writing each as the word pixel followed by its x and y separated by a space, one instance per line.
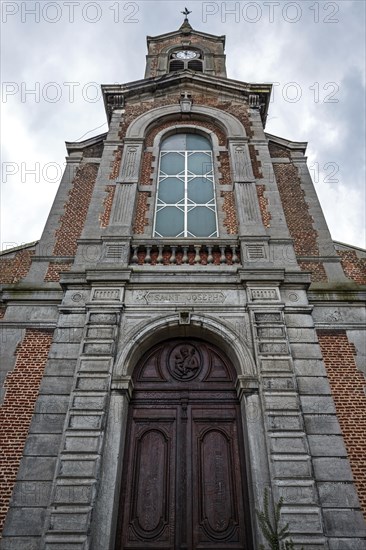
pixel 144 335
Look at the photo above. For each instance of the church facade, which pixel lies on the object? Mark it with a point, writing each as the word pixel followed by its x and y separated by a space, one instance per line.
pixel 185 336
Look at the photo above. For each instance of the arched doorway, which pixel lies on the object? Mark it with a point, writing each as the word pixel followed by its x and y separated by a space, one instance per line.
pixel 184 484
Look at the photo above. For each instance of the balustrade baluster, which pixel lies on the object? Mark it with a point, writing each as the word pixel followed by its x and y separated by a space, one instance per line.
pixel 204 254
pixel 209 256
pixel 173 259
pixel 185 255
pixel 159 259
pixel 197 257
pixel 148 257
pixel 223 257
pixel 134 259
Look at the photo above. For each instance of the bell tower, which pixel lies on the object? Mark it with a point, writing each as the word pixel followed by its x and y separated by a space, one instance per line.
pixel 185 49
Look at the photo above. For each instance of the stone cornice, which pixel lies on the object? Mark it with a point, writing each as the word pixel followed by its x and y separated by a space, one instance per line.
pixel 114 95
pixel 292 145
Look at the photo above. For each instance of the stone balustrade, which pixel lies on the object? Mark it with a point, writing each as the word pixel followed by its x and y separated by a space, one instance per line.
pixel 178 253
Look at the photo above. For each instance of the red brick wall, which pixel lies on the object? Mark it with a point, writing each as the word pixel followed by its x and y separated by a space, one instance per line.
pixel 116 165
pixel 54 271
pixel 76 208
pixel 146 168
pixel 142 208
pixel 354 267
pixel 348 390
pixel 12 270
pixel 225 172
pixel 230 221
pixel 318 274
pixel 107 206
pixel 22 386
pixel 210 126
pixel 73 219
pixel 298 218
pixel 263 205
pixel 239 110
pixel 277 152
pixel 256 164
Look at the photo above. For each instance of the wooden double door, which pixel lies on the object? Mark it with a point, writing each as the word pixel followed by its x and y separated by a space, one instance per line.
pixel 184 485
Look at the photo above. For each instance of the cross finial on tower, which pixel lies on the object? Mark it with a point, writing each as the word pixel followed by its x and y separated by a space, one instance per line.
pixel 186 12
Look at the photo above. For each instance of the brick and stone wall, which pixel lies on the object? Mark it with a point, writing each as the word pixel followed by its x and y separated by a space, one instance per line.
pixel 14 268
pixel 348 390
pixel 230 221
pixel 263 205
pixel 22 386
pixel 298 218
pixel 55 269
pixel 72 220
pixel 76 208
pixel 353 267
pixel 107 205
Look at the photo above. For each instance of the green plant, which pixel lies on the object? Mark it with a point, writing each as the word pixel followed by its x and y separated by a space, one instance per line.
pixel 269 525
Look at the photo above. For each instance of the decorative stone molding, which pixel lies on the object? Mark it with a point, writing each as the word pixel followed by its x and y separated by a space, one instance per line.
pixel 175 254
pixel 234 128
pixel 263 294
pixel 107 294
pixel 131 159
pixel 241 163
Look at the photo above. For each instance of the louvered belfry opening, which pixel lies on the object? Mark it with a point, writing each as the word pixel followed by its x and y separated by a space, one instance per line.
pixel 176 64
pixel 195 65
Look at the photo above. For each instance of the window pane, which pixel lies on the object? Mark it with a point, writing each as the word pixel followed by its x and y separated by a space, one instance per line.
pixel 172 163
pixel 201 221
pixel 199 163
pixel 186 142
pixel 171 190
pixel 169 222
pixel 195 142
pixel 200 190
pixel 176 142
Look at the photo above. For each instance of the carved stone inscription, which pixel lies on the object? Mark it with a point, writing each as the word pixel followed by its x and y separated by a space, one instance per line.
pixel 181 297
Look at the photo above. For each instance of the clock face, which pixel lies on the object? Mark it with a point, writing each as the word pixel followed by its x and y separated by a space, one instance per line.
pixel 186 54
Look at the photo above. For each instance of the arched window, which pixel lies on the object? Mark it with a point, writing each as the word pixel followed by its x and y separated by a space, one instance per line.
pixel 185 202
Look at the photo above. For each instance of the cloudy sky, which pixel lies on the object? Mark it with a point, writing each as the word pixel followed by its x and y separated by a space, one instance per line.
pixel 55 54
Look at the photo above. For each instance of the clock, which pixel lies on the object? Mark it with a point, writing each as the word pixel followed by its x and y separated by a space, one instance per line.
pixel 186 54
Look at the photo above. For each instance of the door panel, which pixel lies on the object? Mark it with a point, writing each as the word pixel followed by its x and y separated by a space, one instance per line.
pixel 149 502
pixel 183 486
pixel 216 482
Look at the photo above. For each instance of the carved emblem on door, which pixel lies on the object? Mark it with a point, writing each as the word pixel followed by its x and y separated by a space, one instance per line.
pixel 184 362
